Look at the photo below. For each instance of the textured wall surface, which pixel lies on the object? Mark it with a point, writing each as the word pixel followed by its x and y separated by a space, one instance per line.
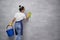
pixel 44 23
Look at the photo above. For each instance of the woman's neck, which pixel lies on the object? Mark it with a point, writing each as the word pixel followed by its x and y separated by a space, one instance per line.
pixel 22 12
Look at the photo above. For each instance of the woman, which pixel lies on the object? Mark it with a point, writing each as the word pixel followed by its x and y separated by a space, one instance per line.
pixel 18 18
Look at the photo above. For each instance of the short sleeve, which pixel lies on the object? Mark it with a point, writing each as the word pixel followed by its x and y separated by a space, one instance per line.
pixel 16 15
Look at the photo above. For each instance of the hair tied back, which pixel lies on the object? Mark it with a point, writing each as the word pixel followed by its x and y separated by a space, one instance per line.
pixel 19 6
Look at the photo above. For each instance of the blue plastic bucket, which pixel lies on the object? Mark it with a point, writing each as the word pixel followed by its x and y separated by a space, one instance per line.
pixel 10 32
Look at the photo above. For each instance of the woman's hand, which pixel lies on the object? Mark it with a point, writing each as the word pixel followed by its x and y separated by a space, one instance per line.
pixel 10 24
pixel 28 15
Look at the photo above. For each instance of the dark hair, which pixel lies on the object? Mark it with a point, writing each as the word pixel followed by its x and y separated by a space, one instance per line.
pixel 21 8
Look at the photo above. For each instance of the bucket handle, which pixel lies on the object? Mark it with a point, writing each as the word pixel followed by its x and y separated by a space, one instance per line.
pixel 7 26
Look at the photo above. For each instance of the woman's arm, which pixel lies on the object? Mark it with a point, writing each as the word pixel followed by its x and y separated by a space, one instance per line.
pixel 13 20
pixel 28 15
pixel 11 23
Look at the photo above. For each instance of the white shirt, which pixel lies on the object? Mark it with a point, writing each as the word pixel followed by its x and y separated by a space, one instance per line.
pixel 20 16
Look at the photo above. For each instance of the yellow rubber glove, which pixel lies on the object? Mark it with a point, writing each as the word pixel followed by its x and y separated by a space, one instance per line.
pixel 29 14
pixel 10 24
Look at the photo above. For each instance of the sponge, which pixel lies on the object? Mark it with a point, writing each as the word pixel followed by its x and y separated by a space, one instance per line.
pixel 29 14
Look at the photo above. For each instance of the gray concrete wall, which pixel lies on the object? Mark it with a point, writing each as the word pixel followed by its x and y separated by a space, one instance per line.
pixel 44 23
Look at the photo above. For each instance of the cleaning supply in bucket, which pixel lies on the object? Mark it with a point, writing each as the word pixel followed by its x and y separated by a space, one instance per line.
pixel 10 31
